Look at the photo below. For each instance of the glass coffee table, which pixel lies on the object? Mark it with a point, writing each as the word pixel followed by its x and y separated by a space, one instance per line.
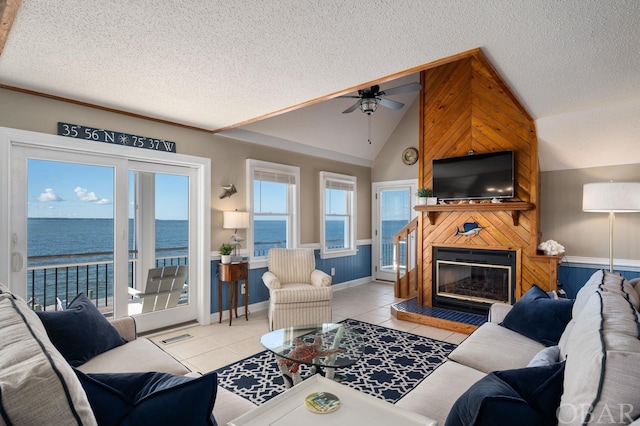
pixel 323 347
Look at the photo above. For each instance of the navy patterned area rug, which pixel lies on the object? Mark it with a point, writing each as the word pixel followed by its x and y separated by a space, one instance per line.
pixel 394 363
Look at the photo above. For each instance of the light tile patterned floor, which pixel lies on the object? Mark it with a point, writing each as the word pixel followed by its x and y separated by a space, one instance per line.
pixel 217 345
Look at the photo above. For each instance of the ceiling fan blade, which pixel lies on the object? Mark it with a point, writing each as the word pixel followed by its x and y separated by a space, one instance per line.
pixel 390 104
pixel 345 96
pixel 411 87
pixel 351 108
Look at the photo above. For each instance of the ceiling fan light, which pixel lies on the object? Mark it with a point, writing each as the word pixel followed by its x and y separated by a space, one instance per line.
pixel 369 105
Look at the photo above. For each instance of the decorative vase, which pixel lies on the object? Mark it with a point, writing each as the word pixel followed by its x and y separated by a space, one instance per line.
pixel 421 201
pixel 225 258
pixel 431 201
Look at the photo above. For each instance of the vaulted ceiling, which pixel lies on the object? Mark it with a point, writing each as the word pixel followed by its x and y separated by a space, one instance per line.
pixel 269 71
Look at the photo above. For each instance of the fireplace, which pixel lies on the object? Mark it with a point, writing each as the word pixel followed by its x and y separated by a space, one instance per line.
pixel 472 279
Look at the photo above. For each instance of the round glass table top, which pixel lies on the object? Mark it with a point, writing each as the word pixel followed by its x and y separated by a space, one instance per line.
pixel 324 345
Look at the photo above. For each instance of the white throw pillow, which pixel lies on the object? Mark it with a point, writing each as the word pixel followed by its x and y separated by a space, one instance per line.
pixel 38 386
pixel 545 357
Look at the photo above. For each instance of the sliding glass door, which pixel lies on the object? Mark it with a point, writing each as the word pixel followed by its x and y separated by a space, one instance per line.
pixel 159 236
pixel 111 227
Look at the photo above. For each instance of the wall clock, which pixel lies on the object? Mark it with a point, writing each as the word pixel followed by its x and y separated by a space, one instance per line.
pixel 410 156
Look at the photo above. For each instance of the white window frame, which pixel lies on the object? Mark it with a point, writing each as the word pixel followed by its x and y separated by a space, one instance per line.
pixel 328 179
pixel 60 148
pixel 293 205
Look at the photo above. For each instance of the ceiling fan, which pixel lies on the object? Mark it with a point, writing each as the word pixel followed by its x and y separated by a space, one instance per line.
pixel 369 99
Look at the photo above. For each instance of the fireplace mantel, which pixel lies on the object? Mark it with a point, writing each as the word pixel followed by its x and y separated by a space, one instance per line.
pixel 514 207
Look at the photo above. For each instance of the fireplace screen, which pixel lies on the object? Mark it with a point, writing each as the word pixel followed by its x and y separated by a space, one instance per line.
pixel 473 281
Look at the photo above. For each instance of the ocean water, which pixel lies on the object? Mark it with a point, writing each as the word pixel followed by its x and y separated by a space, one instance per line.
pixel 80 253
pixel 272 233
pixel 90 241
pixel 51 237
pixel 72 237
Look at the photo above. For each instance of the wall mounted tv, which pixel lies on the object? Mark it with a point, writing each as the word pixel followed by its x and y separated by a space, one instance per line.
pixel 474 176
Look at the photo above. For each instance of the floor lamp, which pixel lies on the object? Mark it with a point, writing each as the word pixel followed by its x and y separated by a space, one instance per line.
pixel 612 198
pixel 235 220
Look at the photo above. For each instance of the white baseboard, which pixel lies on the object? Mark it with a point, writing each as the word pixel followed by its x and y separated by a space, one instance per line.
pixel 354 283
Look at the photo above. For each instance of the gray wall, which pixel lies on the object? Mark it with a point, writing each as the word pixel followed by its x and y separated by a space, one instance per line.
pixel 587 234
pixel 388 164
pixel 39 114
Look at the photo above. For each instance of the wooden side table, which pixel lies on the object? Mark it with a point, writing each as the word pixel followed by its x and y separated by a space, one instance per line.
pixel 232 273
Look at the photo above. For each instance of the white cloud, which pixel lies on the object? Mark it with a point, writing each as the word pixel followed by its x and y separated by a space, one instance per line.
pixel 49 195
pixel 84 194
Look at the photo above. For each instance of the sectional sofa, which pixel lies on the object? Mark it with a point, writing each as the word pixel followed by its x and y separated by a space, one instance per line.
pixel 541 361
pixel 566 362
pixel 38 384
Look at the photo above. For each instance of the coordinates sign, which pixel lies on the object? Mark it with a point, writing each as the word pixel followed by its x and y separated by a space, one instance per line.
pixel 117 138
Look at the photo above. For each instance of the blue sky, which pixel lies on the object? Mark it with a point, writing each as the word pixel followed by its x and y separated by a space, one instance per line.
pixel 68 190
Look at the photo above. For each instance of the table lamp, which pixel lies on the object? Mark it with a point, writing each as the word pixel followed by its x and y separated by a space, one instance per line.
pixel 235 220
pixel 612 198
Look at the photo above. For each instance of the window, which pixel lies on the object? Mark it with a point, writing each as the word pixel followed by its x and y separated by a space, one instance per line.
pixel 273 206
pixel 95 179
pixel 338 216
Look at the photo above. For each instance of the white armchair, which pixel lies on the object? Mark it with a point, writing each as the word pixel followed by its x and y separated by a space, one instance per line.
pixel 299 294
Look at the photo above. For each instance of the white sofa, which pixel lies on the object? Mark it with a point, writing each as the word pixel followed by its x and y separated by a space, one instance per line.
pixel 38 386
pixel 600 348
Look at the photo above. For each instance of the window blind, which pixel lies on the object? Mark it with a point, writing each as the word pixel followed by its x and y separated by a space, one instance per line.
pixel 339 184
pixel 273 176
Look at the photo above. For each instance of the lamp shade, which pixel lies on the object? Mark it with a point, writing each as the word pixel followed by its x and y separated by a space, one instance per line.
pixel 235 220
pixel 617 197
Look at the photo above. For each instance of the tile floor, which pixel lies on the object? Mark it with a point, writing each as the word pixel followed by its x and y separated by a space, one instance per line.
pixel 217 345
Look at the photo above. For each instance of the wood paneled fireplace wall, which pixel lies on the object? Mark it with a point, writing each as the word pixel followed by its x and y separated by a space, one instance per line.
pixel 466 106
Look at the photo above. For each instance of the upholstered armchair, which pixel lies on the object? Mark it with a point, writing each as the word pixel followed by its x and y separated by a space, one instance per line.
pixel 299 294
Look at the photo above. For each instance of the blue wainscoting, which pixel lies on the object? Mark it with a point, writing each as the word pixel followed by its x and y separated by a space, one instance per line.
pixel 348 268
pixel 573 276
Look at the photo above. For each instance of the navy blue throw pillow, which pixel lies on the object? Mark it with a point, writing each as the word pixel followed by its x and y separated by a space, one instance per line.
pixel 524 397
pixel 539 317
pixel 80 332
pixel 541 387
pixel 490 402
pixel 150 398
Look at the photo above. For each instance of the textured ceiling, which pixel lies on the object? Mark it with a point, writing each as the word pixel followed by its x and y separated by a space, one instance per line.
pixel 575 64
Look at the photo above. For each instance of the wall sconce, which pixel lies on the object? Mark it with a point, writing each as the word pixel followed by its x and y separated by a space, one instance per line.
pixel 612 198
pixel 235 220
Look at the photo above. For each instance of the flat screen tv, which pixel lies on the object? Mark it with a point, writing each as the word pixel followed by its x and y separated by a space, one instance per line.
pixel 474 176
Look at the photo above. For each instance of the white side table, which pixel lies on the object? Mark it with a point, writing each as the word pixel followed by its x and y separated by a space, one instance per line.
pixel 356 408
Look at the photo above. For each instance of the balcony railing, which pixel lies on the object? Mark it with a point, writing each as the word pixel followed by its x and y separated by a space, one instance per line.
pixel 51 285
pixel 261 248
